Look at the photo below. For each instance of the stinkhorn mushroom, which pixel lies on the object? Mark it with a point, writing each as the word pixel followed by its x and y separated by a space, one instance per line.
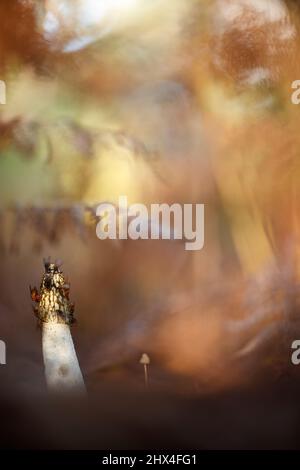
pixel 55 314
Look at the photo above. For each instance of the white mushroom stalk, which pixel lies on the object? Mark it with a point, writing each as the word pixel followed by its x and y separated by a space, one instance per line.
pixel 145 361
pixel 55 314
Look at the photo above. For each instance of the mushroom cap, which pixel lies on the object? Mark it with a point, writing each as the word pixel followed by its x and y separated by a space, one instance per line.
pixel 145 359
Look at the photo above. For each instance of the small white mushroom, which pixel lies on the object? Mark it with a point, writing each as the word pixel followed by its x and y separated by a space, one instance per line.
pixel 145 361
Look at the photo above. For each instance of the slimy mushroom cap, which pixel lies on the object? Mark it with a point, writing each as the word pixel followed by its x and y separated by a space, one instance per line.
pixel 54 305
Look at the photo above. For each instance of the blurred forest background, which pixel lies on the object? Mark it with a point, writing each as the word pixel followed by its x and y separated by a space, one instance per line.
pixel 163 101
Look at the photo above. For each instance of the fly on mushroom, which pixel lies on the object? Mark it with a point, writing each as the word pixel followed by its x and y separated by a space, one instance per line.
pixel 52 301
